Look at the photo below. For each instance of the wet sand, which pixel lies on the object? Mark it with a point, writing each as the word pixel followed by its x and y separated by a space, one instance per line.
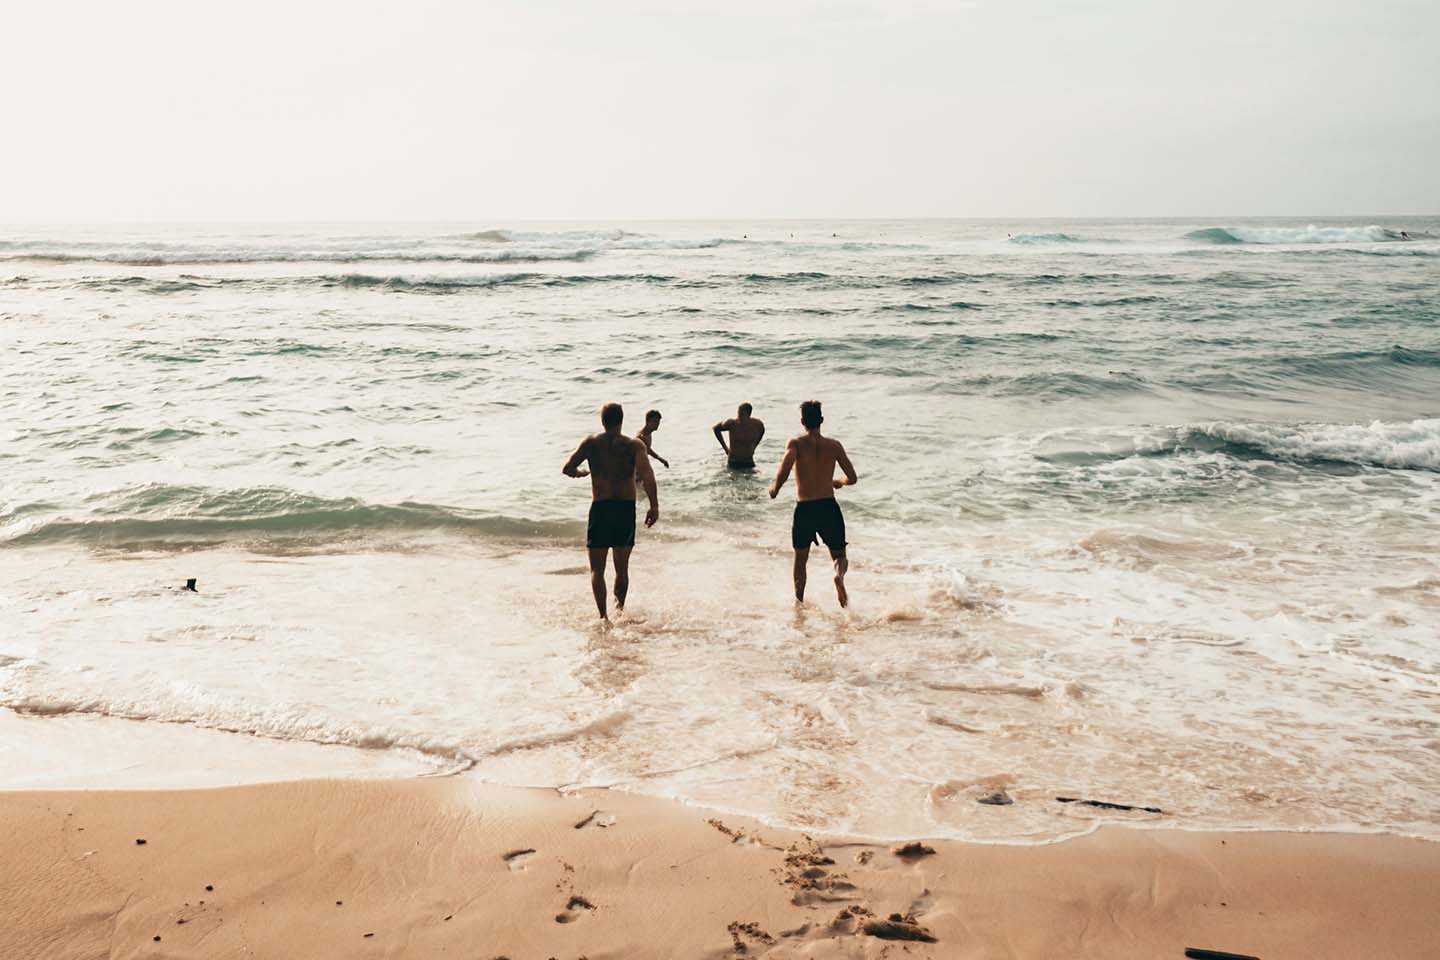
pixel 449 867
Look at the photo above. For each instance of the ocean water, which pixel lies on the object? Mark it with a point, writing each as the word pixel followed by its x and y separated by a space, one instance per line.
pixel 1147 513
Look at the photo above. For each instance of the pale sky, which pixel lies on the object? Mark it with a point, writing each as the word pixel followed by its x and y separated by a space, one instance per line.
pixel 494 110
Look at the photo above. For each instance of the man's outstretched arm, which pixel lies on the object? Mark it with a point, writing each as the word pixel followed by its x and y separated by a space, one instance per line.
pixel 851 477
pixel 647 480
pixel 572 466
pixel 720 429
pixel 657 456
pixel 784 472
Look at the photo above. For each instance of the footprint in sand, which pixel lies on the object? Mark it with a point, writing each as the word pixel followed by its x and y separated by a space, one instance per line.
pixel 740 933
pixel 598 818
pixel 574 909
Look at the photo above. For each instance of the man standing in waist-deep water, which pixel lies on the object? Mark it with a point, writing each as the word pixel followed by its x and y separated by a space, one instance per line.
pixel 817 514
pixel 616 461
pixel 746 432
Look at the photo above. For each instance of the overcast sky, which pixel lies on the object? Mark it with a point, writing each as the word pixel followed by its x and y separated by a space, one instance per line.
pixel 494 111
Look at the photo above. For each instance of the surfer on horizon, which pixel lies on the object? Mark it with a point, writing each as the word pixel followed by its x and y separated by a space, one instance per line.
pixel 616 462
pixel 817 512
pixel 746 432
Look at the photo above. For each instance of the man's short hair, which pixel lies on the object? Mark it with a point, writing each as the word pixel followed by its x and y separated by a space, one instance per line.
pixel 652 414
pixel 745 409
pixel 612 415
pixel 810 414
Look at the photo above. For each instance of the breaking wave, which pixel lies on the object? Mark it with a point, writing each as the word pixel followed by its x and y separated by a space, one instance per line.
pixel 1041 239
pixel 1395 445
pixel 1413 445
pixel 1310 234
pixel 155 515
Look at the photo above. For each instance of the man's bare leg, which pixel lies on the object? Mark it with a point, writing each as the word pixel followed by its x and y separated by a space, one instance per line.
pixel 597 577
pixel 622 575
pixel 842 563
pixel 801 556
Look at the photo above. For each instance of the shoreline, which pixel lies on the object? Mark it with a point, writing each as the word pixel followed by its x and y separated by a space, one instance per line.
pixel 429 866
pixel 221 759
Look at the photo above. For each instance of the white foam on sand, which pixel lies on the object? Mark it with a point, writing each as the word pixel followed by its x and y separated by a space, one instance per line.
pixel 93 753
pixel 1176 667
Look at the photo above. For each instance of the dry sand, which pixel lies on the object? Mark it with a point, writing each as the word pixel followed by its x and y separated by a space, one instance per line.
pixel 429 868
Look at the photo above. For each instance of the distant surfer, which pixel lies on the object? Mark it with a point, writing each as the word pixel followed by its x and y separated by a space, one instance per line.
pixel 652 423
pixel 817 513
pixel 1404 235
pixel 746 432
pixel 616 462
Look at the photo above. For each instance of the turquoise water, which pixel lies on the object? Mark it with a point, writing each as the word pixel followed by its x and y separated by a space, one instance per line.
pixel 1180 477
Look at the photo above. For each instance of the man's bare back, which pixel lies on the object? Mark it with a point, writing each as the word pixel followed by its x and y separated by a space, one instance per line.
pixel 615 461
pixel 746 432
pixel 814 458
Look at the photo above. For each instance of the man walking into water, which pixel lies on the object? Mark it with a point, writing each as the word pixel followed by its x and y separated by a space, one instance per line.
pixel 746 432
pixel 616 462
pixel 647 436
pixel 817 513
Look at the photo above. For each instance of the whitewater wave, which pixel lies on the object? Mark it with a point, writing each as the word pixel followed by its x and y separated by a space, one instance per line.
pixel 1309 234
pixel 1400 446
pixel 1395 445
pixel 162 515
pixel 1041 239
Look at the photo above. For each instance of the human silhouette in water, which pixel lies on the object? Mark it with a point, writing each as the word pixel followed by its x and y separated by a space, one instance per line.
pixel 652 423
pixel 745 431
pixel 616 462
pixel 817 513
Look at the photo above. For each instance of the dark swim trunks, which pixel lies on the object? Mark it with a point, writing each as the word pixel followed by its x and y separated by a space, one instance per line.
pixel 818 518
pixel 612 524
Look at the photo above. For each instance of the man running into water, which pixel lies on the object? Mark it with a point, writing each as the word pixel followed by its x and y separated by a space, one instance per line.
pixel 616 461
pixel 746 432
pixel 652 423
pixel 817 514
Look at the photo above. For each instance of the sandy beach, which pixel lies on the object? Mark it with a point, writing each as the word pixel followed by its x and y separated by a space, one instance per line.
pixel 436 867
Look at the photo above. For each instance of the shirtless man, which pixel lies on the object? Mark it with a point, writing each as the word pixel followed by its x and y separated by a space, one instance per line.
pixel 746 432
pixel 616 462
pixel 817 514
pixel 652 423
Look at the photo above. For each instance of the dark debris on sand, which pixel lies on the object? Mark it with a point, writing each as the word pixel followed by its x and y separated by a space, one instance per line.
pixel 898 927
pixel 1107 805
pixel 913 851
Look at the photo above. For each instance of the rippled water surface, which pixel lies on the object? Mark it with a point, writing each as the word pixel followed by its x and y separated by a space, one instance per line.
pixel 1147 511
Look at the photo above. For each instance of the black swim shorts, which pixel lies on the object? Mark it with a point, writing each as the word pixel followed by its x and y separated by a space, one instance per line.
pixel 818 518
pixel 612 524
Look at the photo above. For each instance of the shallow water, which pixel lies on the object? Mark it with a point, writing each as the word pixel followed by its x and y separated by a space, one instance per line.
pixel 1147 510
